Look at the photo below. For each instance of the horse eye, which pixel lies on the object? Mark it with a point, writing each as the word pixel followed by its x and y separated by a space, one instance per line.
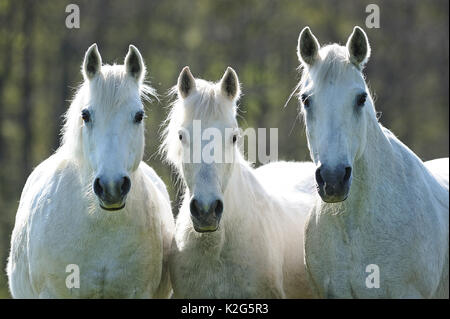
pixel 85 115
pixel 234 138
pixel 306 100
pixel 180 137
pixel 361 99
pixel 138 117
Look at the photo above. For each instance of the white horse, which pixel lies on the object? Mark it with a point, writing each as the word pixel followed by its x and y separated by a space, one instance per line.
pixel 380 228
pixel 67 242
pixel 237 233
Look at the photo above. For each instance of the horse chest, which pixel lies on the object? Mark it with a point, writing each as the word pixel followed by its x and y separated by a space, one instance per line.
pixel 110 257
pixel 221 274
pixel 208 278
pixel 335 259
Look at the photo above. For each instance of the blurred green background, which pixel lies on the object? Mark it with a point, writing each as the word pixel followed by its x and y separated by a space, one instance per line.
pixel 40 67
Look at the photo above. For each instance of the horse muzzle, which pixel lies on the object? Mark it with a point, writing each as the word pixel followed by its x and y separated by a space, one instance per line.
pixel 205 217
pixel 112 207
pixel 333 185
pixel 112 193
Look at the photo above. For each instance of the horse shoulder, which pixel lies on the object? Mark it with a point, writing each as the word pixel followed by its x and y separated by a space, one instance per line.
pixel 155 179
pixel 439 168
pixel 36 197
pixel 291 192
pixel 160 196
pixel 335 255
pixel 42 186
pixel 287 176
pixel 316 255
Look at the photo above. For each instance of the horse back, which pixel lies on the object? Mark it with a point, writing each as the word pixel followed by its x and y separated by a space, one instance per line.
pixel 439 168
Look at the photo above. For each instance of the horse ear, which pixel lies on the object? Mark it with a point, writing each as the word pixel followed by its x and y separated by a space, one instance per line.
pixel 308 47
pixel 186 82
pixel 134 63
pixel 358 47
pixel 92 62
pixel 230 84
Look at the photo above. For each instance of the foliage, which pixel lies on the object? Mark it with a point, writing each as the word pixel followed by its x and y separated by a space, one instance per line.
pixel 40 61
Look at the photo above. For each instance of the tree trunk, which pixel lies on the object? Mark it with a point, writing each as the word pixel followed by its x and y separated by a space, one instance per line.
pixel 27 87
pixel 6 24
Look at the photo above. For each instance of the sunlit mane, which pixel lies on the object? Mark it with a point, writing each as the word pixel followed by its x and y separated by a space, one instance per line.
pixel 112 87
pixel 206 103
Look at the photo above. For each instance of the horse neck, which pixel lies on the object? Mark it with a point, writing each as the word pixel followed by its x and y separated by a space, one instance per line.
pixel 241 192
pixel 375 167
pixel 384 170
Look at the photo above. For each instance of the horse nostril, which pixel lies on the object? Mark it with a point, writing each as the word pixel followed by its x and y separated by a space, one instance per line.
pixel 216 207
pixel 329 189
pixel 193 207
pixel 319 178
pixel 219 207
pixel 98 189
pixel 126 185
pixel 348 174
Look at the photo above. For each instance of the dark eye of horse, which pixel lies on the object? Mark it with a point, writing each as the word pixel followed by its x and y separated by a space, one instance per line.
pixel 180 137
pixel 234 139
pixel 361 99
pixel 306 100
pixel 138 117
pixel 85 115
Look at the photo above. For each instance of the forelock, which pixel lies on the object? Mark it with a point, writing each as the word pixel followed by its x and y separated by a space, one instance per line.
pixel 334 62
pixel 206 103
